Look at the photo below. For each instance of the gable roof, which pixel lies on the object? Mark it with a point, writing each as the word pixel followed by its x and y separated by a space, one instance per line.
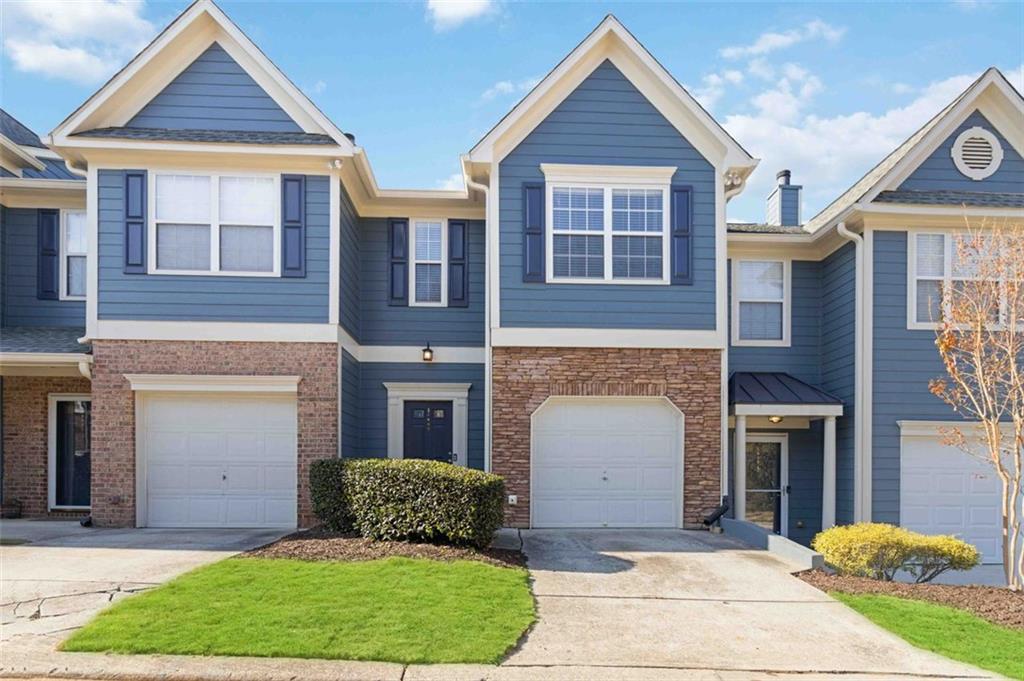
pixel 17 132
pixel 930 135
pixel 612 41
pixel 173 50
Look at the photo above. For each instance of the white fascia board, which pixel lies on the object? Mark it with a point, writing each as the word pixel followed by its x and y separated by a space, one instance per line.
pixel 212 383
pixel 606 174
pixel 107 329
pixel 319 150
pixel 25 359
pixel 606 338
pixel 42 184
pixel 933 210
pixel 810 410
pixel 8 146
pixel 371 200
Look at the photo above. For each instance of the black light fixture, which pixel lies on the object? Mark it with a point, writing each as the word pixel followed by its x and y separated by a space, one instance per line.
pixel 428 354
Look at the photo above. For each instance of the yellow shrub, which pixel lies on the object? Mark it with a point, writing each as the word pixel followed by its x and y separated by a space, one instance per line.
pixel 879 551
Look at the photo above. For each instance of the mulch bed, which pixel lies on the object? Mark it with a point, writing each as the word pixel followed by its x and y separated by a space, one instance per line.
pixel 997 605
pixel 318 544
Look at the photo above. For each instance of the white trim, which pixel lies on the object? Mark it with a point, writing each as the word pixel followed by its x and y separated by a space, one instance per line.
pixel 631 176
pixel 110 329
pixel 867 377
pixel 334 243
pixel 63 252
pixel 958 148
pixel 51 447
pixel 456 393
pixel 21 154
pixel 413 222
pixel 43 358
pixel 812 410
pixel 196 383
pixel 914 428
pixel 957 212
pixel 787 305
pixel 414 354
pixel 604 338
pixel 783 440
pixel 92 267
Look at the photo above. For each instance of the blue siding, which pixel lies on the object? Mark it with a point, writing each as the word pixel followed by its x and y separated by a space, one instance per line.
pixel 384 324
pixel 19 227
pixel 212 298
pixel 214 93
pixel 805 482
pixel 938 172
pixel 903 364
pixel 838 319
pixel 350 314
pixel 350 427
pixel 373 403
pixel 606 120
pixel 790 204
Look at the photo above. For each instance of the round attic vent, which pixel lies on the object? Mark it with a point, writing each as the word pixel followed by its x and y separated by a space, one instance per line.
pixel 977 153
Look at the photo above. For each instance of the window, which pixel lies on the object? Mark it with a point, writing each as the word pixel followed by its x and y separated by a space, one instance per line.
pixel 213 224
pixel 73 252
pixel 934 264
pixel 760 309
pixel 428 284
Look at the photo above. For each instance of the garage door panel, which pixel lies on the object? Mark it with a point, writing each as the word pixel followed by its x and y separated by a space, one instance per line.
pixel 279 478
pixel 202 478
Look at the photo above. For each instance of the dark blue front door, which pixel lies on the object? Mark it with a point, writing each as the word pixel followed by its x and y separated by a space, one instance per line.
pixel 73 453
pixel 428 431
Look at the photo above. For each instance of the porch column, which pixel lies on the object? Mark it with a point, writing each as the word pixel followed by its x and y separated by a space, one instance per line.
pixel 828 476
pixel 739 502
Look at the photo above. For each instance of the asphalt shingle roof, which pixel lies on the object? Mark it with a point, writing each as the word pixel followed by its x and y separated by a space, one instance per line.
pixel 17 132
pixel 953 198
pixel 774 387
pixel 758 228
pixel 226 136
pixel 57 339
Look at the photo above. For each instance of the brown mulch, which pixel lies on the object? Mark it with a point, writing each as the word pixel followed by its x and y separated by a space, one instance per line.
pixel 319 544
pixel 997 605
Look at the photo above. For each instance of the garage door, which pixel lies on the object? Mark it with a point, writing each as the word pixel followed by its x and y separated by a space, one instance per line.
pixel 220 460
pixel 945 491
pixel 607 463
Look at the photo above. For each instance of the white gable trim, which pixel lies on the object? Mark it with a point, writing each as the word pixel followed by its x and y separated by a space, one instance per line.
pixel 611 41
pixel 188 36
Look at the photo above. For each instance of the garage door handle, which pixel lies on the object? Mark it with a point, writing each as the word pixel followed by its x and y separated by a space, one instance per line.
pixel 223 476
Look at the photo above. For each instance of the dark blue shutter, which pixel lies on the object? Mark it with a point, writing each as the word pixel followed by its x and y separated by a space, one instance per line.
pixel 135 222
pixel 682 235
pixel 398 261
pixel 533 232
pixel 458 264
pixel 48 271
pixel 293 225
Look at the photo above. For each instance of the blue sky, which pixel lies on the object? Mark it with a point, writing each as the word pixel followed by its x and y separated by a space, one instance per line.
pixel 824 89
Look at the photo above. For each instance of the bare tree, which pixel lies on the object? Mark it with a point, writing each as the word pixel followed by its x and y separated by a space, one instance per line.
pixel 980 338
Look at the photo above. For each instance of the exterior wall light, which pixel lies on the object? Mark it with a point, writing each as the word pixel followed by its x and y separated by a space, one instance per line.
pixel 428 354
pixel 775 419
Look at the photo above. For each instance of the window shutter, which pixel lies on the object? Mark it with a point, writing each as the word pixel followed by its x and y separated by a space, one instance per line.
pixel 398 257
pixel 533 232
pixel 135 222
pixel 458 264
pixel 682 235
pixel 48 284
pixel 293 225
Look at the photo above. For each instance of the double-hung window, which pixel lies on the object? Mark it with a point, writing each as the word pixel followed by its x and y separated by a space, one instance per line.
pixel 73 250
pixel 935 264
pixel 428 282
pixel 215 224
pixel 760 302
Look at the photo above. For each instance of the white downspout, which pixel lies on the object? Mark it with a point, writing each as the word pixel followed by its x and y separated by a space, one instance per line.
pixel 488 256
pixel 861 448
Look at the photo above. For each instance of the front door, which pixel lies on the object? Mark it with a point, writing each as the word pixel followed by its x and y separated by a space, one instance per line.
pixel 767 483
pixel 72 454
pixel 428 431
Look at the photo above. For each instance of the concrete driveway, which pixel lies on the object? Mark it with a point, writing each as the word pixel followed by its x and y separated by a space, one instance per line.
pixel 55 575
pixel 622 602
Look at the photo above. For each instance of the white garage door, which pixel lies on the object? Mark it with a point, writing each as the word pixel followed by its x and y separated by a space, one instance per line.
pixel 220 460
pixel 607 463
pixel 945 491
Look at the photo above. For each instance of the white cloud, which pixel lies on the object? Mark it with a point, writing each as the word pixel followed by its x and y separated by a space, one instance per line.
pixel 713 86
pixel 761 69
pixel 508 87
pixel 452 182
pixel 84 42
pixel 316 88
pixel 448 14
pixel 772 41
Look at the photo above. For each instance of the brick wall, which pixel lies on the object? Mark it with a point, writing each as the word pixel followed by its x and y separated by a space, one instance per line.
pixel 25 415
pixel 113 416
pixel 524 377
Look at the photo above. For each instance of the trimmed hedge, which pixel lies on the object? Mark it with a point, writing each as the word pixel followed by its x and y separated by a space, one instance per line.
pixel 412 499
pixel 879 551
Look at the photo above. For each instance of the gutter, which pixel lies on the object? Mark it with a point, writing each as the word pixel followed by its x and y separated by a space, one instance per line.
pixel 488 256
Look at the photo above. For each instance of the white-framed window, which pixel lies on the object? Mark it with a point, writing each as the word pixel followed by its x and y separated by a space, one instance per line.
pixel 933 264
pixel 74 242
pixel 428 266
pixel 607 224
pixel 761 301
pixel 212 224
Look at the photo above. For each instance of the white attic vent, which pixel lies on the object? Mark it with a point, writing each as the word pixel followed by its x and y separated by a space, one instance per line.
pixel 977 153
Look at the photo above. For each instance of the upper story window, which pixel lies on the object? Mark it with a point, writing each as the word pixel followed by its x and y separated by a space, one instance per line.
pixel 760 302
pixel 73 251
pixel 428 283
pixel 215 224
pixel 935 263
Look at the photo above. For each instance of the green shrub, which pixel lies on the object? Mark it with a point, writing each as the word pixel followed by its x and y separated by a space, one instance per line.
pixel 412 499
pixel 879 551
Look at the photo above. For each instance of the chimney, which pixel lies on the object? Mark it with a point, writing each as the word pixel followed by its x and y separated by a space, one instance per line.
pixel 784 202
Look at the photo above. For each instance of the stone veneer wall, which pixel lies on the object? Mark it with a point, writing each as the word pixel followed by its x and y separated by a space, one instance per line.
pixel 26 437
pixel 113 409
pixel 692 379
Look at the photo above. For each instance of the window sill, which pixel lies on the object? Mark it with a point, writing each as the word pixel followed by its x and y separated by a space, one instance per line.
pixel 609 282
pixel 206 273
pixel 737 343
pixel 73 299
pixel 438 304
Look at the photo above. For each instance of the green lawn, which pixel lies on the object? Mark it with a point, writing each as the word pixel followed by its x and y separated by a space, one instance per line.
pixel 395 610
pixel 954 633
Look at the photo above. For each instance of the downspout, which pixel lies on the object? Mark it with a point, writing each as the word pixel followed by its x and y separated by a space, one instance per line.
pixel 471 184
pixel 861 448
